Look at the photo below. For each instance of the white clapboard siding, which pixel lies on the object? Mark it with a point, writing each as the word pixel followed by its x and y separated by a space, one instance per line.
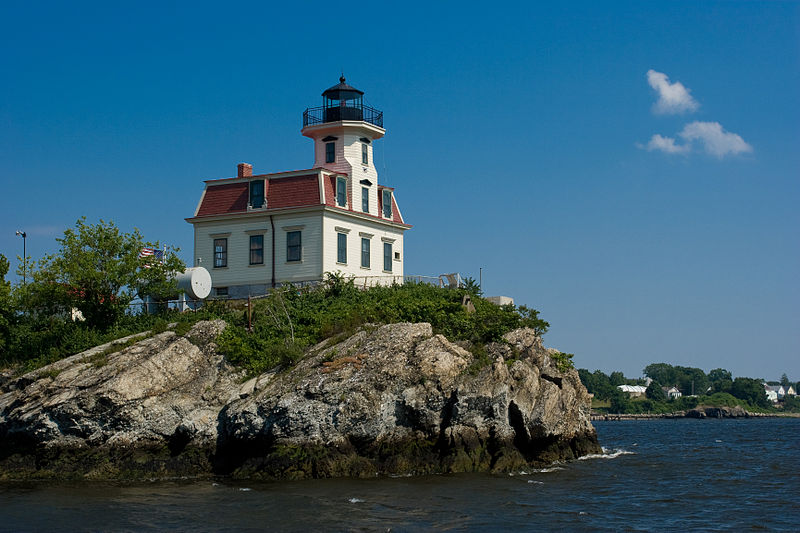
pixel 334 223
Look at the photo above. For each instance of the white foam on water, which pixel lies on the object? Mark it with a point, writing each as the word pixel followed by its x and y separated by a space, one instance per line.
pixel 717 440
pixel 355 500
pixel 244 489
pixel 535 482
pixel 546 470
pixel 607 454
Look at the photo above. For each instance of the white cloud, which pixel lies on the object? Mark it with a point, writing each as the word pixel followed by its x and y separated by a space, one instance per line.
pixel 715 140
pixel 666 145
pixel 673 98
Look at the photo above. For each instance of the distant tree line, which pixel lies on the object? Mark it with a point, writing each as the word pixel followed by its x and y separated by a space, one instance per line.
pixel 717 387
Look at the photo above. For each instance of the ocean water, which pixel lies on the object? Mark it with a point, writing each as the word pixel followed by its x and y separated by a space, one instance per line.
pixel 677 475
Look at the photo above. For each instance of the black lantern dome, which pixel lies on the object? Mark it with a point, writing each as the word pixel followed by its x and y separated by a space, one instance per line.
pixel 342 102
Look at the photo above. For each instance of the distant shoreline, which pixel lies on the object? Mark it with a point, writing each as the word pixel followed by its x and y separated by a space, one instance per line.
pixel 687 414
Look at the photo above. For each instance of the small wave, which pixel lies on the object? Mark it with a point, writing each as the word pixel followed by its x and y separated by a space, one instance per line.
pixel 535 482
pixel 717 440
pixel 244 489
pixel 355 500
pixel 607 454
pixel 546 470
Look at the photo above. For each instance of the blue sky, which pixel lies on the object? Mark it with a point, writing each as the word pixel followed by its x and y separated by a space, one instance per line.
pixel 630 169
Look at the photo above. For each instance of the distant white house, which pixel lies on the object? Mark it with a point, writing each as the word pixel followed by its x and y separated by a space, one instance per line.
pixel 634 391
pixel 672 392
pixel 776 393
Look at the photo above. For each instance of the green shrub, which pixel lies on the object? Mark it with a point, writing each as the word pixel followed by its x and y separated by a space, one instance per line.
pixel 293 317
pixel 563 361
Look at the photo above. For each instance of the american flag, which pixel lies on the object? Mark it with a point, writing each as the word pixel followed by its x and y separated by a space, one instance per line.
pixel 151 252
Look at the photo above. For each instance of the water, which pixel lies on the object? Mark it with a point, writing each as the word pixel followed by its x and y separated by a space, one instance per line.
pixel 710 475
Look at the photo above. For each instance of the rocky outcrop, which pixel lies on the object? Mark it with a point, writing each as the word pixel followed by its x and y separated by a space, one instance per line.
pixel 702 411
pixel 389 399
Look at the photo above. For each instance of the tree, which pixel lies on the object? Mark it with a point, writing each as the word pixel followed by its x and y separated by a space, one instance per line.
pixel 617 378
pixel 6 306
pixel 620 402
pixel 529 318
pixel 472 287
pixel 655 392
pixel 98 271
pixel 691 380
pixel 721 380
pixel 750 390
pixel 662 372
pixel 785 380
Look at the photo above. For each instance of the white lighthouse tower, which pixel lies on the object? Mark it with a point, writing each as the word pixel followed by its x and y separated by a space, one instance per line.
pixel 344 130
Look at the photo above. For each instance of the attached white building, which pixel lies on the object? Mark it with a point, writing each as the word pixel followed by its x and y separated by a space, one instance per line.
pixel 254 232
pixel 634 391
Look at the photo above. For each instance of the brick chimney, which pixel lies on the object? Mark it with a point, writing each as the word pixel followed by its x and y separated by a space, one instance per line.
pixel 245 170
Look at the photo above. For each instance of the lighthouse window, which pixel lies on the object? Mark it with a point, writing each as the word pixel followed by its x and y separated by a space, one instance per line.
pixel 365 252
pixel 341 248
pixel 341 192
pixel 256 249
pixel 257 194
pixel 364 154
pixel 387 256
pixel 294 246
pixel 220 253
pixel 330 152
pixel 387 203
pixel 365 199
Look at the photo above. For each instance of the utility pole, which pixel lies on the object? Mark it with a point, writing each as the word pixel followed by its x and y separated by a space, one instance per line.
pixel 24 256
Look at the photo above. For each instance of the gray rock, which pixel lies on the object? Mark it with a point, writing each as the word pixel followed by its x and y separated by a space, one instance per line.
pixel 389 399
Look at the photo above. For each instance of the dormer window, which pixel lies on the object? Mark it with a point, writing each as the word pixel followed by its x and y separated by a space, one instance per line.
pixel 387 203
pixel 341 192
pixel 257 194
pixel 330 152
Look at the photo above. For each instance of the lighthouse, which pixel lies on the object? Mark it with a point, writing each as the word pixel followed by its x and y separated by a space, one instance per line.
pixel 254 232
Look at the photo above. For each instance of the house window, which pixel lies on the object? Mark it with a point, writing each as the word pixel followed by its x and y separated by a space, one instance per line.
pixel 387 203
pixel 257 194
pixel 341 248
pixel 341 192
pixel 330 152
pixel 365 252
pixel 294 246
pixel 387 256
pixel 221 291
pixel 364 154
pixel 256 249
pixel 220 253
pixel 365 199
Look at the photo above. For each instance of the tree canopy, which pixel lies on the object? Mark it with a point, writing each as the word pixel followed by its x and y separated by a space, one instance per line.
pixel 98 270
